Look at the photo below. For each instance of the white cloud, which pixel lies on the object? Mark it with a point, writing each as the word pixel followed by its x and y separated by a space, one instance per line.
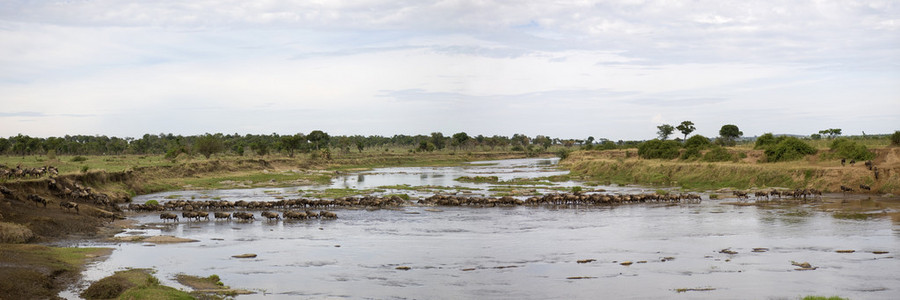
pixel 579 66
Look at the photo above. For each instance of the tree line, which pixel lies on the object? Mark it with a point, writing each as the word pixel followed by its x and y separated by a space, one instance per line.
pixel 264 144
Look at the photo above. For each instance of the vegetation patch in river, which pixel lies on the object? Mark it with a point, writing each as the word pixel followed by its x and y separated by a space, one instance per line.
pixel 338 193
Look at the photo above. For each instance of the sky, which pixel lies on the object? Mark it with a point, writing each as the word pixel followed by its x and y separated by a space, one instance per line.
pixel 567 69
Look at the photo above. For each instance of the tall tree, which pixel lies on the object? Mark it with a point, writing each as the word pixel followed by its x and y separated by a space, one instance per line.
pixel 729 133
pixel 208 145
pixel 438 140
pixel 292 142
pixel 665 130
pixel 318 138
pixel 686 127
pixel 460 139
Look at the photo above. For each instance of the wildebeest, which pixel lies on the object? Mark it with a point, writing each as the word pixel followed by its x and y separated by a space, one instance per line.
pixel 875 169
pixel 846 189
pixel 294 215
pixel 69 205
pixel 222 215
pixel 865 187
pixel 202 214
pixel 843 161
pixel 310 214
pixel 189 215
pixel 869 165
pixel 37 200
pixel 327 215
pixel 852 162
pixel 270 215
pixel 5 191
pixel 168 216
pixel 244 216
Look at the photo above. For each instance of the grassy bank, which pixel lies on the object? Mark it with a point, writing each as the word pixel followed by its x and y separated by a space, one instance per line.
pixel 132 284
pixel 826 175
pixel 40 272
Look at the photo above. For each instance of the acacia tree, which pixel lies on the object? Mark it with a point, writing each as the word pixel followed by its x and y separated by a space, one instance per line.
pixel 292 142
pixel 208 145
pixel 686 127
pixel 729 133
pixel 460 139
pixel 665 130
pixel 318 138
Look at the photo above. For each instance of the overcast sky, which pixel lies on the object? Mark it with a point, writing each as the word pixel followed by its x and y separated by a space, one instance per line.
pixel 570 69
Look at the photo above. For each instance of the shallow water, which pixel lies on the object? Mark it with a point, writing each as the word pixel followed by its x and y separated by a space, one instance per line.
pixel 525 252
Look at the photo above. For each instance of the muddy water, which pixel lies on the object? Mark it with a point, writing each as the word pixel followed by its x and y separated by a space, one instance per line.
pixel 527 252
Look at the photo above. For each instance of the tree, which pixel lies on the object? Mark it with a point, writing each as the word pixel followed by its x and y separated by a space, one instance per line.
pixel 438 140
pixel 460 139
pixel 665 130
pixel 831 132
pixel 208 145
pixel 729 133
pixel 318 138
pixel 544 141
pixel 686 127
pixel 292 142
pixel 895 139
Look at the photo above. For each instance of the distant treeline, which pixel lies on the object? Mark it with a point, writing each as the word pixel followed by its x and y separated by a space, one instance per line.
pixel 316 140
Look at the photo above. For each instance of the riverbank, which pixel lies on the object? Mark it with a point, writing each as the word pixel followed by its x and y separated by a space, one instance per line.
pixel 110 181
pixel 622 167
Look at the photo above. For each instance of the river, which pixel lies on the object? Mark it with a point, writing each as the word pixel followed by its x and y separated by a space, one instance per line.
pixel 523 252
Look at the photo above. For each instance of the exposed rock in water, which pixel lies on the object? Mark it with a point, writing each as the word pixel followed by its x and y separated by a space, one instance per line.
pixel 760 249
pixel 728 251
pixel 584 261
pixel 845 251
pixel 804 266
pixel 880 252
pixel 404 268
pixel 164 239
pixel 246 255
pixel 626 263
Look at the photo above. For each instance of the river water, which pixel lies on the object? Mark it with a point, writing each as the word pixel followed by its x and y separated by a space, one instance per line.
pixel 524 252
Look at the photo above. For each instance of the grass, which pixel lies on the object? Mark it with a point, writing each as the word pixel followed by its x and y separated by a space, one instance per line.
pixel 824 298
pixel 851 216
pixel 33 271
pixel 338 193
pixel 479 179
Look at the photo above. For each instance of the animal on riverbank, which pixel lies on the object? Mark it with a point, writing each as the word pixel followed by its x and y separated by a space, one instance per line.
pixel 168 216
pixel 865 187
pixel 846 189
pixel 869 165
pixel 852 162
pixel 7 193
pixel 222 215
pixel 38 200
pixel 68 205
pixel 270 215
pixel 843 161
pixel 875 169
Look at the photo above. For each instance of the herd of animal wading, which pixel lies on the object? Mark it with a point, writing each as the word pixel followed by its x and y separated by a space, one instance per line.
pixel 70 195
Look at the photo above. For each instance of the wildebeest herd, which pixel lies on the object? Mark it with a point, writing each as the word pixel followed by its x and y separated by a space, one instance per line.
pixel 19 172
pixel 778 194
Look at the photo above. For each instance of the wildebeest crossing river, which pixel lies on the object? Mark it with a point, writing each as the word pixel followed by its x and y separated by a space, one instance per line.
pixel 684 250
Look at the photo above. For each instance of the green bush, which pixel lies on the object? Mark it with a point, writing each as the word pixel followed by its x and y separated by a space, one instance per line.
pixel 659 149
pixel 152 202
pixel 845 148
pixel 697 141
pixel 895 138
pixel 84 169
pixel 691 153
pixel 765 141
pixel 718 154
pixel 79 158
pixel 788 149
pixel 564 153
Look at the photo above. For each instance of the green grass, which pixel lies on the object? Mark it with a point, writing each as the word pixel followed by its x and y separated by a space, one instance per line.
pixel 479 179
pixel 851 216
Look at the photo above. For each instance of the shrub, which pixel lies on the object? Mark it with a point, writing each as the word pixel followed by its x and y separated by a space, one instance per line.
pixel 845 148
pixel 697 141
pixel 659 149
pixel 895 138
pixel 789 148
pixel 152 202
pixel 718 154
pixel 51 154
pixel 79 158
pixel 563 153
pixel 691 153
pixel 766 140
pixel 84 169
